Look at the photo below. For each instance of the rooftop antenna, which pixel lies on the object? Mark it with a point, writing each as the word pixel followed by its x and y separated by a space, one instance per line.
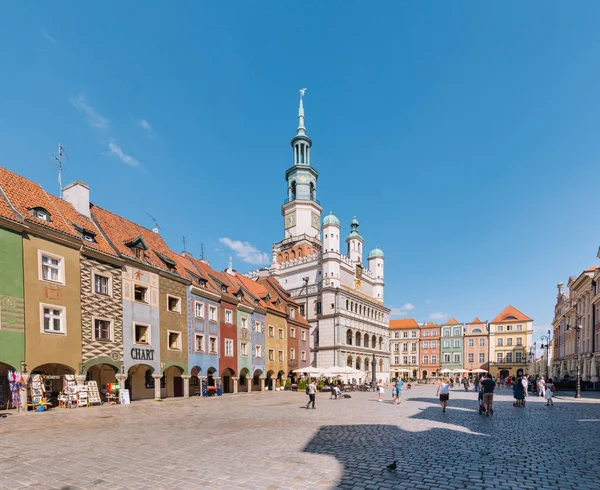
pixel 202 251
pixel 59 164
pixel 157 227
pixel 184 243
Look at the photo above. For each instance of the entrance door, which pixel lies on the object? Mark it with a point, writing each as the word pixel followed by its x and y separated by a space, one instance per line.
pixel 177 386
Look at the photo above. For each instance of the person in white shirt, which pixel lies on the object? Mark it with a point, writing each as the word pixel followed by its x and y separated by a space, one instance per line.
pixel 542 387
pixel 443 392
pixel 525 384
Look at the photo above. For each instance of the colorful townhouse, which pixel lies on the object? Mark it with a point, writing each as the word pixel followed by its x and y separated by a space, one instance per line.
pixel 476 346
pixel 429 350
pixel 404 343
pixel 12 307
pixel 452 346
pixel 510 343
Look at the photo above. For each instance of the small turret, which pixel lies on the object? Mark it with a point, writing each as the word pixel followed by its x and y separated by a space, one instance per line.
pixel 376 259
pixel 354 242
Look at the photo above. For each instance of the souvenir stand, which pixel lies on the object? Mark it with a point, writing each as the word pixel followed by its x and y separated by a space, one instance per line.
pixel 93 395
pixel 37 388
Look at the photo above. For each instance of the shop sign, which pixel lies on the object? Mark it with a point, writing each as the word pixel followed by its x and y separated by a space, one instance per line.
pixel 142 354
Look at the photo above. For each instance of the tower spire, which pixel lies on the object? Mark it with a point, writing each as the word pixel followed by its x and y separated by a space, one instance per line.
pixel 301 129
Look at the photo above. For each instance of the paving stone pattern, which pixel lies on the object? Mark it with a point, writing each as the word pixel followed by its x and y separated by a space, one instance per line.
pixel 270 441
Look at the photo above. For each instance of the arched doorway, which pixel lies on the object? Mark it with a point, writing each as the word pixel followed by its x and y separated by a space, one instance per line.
pixel 5 394
pixel 53 375
pixel 281 379
pixel 504 372
pixel 227 380
pixel 243 383
pixel 256 380
pixel 195 387
pixel 102 374
pixel 424 373
pixel 269 383
pixel 140 382
pixel 173 384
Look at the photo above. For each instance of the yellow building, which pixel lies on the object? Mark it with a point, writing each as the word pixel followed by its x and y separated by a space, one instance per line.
pixel 510 343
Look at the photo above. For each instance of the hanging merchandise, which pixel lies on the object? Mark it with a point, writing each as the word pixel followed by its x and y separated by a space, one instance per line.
pixel 15 383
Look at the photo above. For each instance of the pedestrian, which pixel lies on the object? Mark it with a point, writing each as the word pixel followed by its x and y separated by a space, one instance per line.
pixel 501 381
pixel 380 390
pixel 399 385
pixel 311 391
pixel 443 392
pixel 542 387
pixel 476 383
pixel 333 392
pixel 466 383
pixel 519 393
pixel 488 386
pixel 394 392
pixel 525 383
pixel 549 392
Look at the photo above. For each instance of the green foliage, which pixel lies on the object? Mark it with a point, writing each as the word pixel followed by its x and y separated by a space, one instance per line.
pixel 302 385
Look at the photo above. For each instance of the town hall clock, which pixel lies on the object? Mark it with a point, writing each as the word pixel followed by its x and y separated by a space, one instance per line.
pixel 290 220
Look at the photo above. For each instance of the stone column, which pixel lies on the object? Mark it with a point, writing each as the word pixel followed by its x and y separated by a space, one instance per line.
pixel 186 386
pixel 121 378
pixel 200 381
pixel 157 378
pixel 249 382
pixel 594 370
pixel 23 393
pixel 273 383
pixel 235 384
pixel 262 384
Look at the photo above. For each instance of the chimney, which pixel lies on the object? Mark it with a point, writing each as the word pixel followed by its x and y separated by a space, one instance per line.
pixel 78 194
pixel 230 266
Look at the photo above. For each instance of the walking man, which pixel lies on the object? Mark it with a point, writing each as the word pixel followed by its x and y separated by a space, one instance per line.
pixel 525 384
pixel 312 393
pixel 488 385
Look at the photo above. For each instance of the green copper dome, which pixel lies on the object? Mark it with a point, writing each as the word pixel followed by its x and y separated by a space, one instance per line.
pixel 330 219
pixel 376 253
pixel 354 230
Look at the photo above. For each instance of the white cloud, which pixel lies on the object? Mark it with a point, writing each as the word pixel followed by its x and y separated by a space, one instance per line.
pixel 94 119
pixel 146 127
pixel 245 251
pixel 116 151
pixel 403 310
pixel 48 36
pixel 437 316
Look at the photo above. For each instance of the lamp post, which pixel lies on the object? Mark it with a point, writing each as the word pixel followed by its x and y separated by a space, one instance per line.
pixel 546 338
pixel 374 368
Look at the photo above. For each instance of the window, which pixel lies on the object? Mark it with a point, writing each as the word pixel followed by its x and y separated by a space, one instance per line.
pixel 140 293
pixel 280 333
pixel 405 347
pixel 212 313
pixel 303 334
pixel 138 252
pixel 509 342
pixel 446 357
pixel 228 316
pixel 258 350
pixel 470 358
pixel 413 334
pixel 271 355
pixel 499 357
pixel 41 213
pixel 482 358
pixel 518 356
pixel 500 342
pixel 292 354
pixel 446 343
pixel 229 347
pixel 434 344
pixel 257 327
pixel 456 332
pixel 396 360
pixel 199 343
pixel 509 328
pixel 425 359
pixel 101 284
pixel 318 307
pixel 51 268
pixel 481 342
pixel 520 341
pixel 199 310
pixel 500 328
pixel 244 322
pixel 173 304
pixel 293 333
pixel 102 330
pixel 426 345
pixel 519 328
pixel 508 357
pixel 303 355
pixel 244 349
pixel 433 359
pixel 53 319
pixel 456 357
pixel 404 335
pixel 271 331
pixel 426 333
pixel 471 342
pixel 302 310
pixel 174 340
pixel 413 359
pixel 433 333
pixel 447 332
pixel 457 343
pixel 212 343
pixel 413 346
pixel 142 334
pixel 404 360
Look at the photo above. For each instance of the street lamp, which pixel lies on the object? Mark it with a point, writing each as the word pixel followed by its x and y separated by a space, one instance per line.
pixel 546 346
pixel 577 329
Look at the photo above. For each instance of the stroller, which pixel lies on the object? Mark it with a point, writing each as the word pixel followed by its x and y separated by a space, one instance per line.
pixel 480 400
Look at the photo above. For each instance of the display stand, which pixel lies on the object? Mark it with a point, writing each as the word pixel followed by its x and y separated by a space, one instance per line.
pixel 70 390
pixel 93 395
pixel 82 396
pixel 37 388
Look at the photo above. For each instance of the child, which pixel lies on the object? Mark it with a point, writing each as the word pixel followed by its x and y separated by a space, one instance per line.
pixel 549 392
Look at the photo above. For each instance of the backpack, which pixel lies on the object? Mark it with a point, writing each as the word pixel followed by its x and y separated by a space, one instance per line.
pixel 552 389
pixel 307 390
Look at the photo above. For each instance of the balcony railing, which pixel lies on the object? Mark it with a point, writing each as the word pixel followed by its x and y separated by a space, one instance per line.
pixel 298 199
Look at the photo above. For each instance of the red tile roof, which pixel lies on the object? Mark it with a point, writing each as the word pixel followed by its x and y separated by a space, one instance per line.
pixel 404 323
pixel 452 321
pixel 511 314
pixel 477 320
pixel 430 325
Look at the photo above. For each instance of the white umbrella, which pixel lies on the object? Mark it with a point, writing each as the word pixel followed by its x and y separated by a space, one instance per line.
pixel 445 371
pixel 460 371
pixel 312 371
pixel 340 370
pixel 479 371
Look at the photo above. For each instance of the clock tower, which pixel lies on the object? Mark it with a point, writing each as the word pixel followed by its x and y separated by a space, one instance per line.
pixel 301 211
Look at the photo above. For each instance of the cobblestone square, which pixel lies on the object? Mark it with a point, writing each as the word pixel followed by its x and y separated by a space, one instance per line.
pixel 270 441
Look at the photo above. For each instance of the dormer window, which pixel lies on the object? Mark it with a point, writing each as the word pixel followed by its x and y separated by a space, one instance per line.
pixel 41 213
pixel 202 283
pixel 167 261
pixel 138 252
pixel 89 238
pixel 86 235
pixel 137 247
pixel 223 289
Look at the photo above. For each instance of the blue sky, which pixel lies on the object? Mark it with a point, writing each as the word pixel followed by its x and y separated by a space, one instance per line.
pixel 464 136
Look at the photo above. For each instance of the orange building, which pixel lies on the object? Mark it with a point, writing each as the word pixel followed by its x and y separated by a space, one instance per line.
pixel 476 346
pixel 404 345
pixel 429 350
